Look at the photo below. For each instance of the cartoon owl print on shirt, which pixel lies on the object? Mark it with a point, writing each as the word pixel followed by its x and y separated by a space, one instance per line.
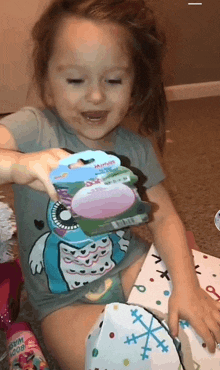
pixel 70 258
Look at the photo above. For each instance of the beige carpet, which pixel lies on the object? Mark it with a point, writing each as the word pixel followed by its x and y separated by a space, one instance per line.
pixel 192 163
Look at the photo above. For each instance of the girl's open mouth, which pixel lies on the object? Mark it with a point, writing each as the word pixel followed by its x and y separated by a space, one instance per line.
pixel 97 117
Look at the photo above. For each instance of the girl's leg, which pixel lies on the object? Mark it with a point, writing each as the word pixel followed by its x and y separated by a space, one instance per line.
pixel 65 331
pixel 130 274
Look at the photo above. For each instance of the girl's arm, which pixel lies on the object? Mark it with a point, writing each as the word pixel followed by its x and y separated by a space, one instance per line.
pixel 170 238
pixel 32 169
pixel 188 301
pixel 8 154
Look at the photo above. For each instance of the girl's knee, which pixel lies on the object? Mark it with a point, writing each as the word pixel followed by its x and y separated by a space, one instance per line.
pixel 65 333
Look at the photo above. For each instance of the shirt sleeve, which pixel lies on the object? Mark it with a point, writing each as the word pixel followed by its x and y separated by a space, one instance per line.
pixel 137 153
pixel 152 169
pixel 30 129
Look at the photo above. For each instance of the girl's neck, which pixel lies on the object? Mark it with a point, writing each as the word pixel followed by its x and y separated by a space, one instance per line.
pixel 106 143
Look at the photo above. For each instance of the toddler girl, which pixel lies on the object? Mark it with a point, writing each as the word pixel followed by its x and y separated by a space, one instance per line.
pixel 96 62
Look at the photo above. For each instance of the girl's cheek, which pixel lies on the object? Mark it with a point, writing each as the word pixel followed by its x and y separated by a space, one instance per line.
pixel 116 94
pixel 121 97
pixel 71 95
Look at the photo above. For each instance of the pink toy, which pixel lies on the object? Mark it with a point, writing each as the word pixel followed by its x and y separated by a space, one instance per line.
pixel 103 201
pixel 10 287
pixel 23 349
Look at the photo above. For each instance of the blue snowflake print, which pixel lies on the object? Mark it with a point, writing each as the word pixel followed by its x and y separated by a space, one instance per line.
pixel 184 324
pixel 149 333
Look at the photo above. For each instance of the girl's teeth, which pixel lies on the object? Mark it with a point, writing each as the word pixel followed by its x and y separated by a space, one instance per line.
pixel 93 119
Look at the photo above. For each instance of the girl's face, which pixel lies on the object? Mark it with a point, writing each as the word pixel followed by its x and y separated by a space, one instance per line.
pixel 90 78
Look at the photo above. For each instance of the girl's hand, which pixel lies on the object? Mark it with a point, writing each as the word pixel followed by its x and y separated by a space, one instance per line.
pixel 33 169
pixel 200 310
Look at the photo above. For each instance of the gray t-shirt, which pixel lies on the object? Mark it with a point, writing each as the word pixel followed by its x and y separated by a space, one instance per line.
pixel 58 270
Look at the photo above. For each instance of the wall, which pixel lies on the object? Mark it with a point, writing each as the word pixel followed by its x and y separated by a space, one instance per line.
pixel 193 40
pixel 193 45
pixel 16 20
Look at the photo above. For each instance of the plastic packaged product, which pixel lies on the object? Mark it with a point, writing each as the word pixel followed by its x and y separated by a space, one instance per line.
pixel 23 349
pixel 99 192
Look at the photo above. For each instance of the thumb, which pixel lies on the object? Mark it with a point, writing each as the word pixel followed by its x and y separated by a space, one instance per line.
pixel 173 322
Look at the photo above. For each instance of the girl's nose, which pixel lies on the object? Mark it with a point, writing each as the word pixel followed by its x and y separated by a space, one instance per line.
pixel 95 94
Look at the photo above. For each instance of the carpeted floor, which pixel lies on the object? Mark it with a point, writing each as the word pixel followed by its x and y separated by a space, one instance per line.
pixel 192 164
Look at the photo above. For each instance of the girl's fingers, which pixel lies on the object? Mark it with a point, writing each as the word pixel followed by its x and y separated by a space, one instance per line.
pixel 214 326
pixel 39 185
pixel 173 323
pixel 208 329
pixel 61 153
pixel 209 332
pixel 48 162
pixel 50 157
pixel 49 188
pixel 34 169
pixel 43 175
pixel 216 314
pixel 217 305
pixel 205 333
pixel 203 316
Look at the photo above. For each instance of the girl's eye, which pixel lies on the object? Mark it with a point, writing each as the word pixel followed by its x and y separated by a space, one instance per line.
pixel 114 81
pixel 74 81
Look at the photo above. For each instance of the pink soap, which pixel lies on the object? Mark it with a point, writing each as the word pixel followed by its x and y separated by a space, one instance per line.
pixel 100 202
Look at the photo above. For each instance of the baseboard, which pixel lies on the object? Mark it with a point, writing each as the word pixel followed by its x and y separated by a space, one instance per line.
pixel 184 92
pixel 193 91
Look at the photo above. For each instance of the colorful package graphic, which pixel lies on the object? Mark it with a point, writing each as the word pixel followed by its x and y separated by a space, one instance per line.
pixel 99 192
pixel 23 349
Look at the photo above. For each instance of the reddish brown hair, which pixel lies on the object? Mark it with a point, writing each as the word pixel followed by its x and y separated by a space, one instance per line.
pixel 146 49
